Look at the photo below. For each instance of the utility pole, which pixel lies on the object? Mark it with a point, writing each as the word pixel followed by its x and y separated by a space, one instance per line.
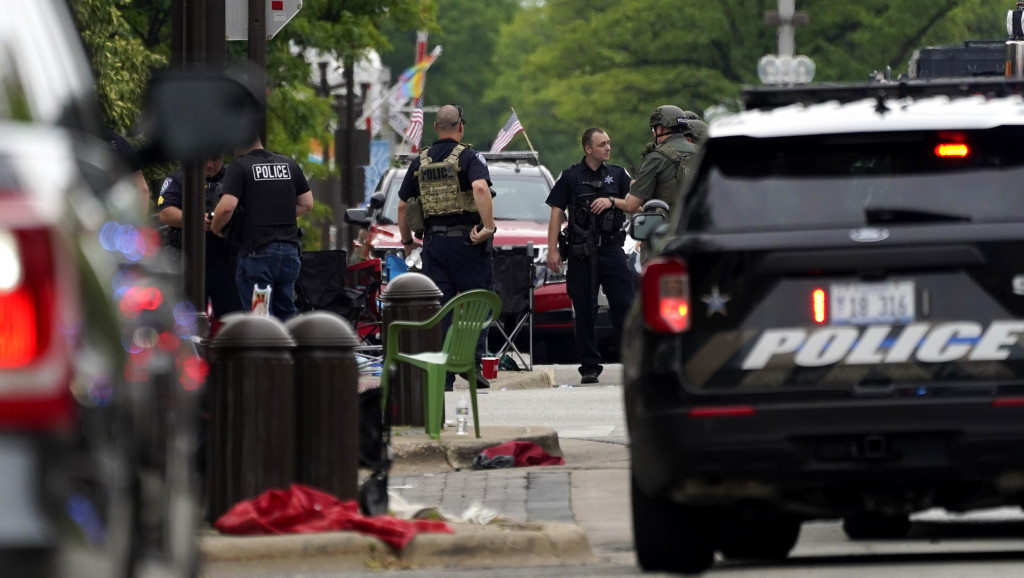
pixel 258 54
pixel 784 67
pixel 786 18
pixel 197 42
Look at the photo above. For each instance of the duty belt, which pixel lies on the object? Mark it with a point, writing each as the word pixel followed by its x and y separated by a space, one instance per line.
pixel 449 230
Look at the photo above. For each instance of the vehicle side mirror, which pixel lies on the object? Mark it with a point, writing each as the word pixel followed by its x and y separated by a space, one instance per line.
pixel 357 216
pixel 643 226
pixel 189 116
pixel 377 200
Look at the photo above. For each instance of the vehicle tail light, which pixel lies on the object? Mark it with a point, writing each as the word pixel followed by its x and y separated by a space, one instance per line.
pixel 1008 402
pixel 818 308
pixel 26 296
pixel 39 398
pixel 666 296
pixel 723 411
pixel 952 150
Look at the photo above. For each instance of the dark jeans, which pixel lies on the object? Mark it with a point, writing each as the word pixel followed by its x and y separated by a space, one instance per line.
pixel 455 265
pixel 275 265
pixel 615 277
pixel 221 287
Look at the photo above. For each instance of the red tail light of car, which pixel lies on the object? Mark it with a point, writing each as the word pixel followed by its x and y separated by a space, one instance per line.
pixel 34 394
pixel 666 296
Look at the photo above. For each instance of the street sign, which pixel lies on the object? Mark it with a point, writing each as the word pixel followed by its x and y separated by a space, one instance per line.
pixel 279 13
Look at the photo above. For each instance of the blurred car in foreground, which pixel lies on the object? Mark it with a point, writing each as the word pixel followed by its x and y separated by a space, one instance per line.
pixel 98 374
pixel 830 326
pixel 521 185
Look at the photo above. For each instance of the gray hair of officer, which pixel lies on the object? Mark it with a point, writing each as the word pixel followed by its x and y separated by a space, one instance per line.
pixel 448 117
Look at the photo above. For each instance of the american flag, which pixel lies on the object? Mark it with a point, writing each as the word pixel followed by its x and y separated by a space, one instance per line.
pixel 506 133
pixel 414 131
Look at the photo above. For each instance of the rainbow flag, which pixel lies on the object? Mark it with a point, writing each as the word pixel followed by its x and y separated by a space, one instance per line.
pixel 413 79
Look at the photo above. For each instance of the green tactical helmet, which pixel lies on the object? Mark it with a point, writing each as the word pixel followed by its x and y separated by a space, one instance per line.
pixel 696 128
pixel 668 116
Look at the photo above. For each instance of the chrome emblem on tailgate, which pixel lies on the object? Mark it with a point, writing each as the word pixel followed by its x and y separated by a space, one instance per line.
pixel 869 235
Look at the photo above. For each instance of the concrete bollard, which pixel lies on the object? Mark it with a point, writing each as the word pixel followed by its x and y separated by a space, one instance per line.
pixel 252 401
pixel 327 402
pixel 411 297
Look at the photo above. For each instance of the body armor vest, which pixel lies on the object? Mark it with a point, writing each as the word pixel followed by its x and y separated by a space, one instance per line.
pixel 440 193
pixel 682 170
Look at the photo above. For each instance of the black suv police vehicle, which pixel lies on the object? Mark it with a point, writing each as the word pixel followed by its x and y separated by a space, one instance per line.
pixel 830 326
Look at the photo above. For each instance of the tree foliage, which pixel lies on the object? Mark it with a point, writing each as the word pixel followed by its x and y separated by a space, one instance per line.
pixel 467 32
pixel 121 63
pixel 570 64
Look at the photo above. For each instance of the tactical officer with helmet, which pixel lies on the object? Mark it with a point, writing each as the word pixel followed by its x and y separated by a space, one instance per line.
pixel 221 257
pixel 592 191
pixel 666 168
pixel 446 199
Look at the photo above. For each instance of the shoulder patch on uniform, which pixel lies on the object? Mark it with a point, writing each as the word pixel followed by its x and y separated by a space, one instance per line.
pixel 167 183
pixel 482 159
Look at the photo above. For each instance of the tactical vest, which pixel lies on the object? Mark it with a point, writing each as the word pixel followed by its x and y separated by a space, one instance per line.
pixel 677 158
pixel 587 229
pixel 440 193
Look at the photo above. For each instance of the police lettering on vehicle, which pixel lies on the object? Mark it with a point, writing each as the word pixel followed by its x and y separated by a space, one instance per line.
pixel 873 344
pixel 271 172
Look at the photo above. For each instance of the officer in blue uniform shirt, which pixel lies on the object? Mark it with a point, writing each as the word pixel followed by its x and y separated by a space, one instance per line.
pixel 448 189
pixel 221 257
pixel 592 191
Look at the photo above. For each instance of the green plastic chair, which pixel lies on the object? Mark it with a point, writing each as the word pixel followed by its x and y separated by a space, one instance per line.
pixel 472 312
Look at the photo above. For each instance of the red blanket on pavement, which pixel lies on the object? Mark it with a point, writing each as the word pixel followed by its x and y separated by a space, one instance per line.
pixel 301 509
pixel 524 453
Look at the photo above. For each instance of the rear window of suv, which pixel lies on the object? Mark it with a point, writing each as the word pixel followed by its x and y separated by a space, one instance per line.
pixel 847 180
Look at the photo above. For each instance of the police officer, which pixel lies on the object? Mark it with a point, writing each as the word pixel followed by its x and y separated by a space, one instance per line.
pixel 666 168
pixel 221 257
pixel 264 194
pixel 448 187
pixel 593 192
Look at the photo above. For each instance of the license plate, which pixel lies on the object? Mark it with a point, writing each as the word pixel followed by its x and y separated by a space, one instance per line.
pixel 867 303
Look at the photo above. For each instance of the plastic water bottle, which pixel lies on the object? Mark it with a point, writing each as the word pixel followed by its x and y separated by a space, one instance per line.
pixel 462 417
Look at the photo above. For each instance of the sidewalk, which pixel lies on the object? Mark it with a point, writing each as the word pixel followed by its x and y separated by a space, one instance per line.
pixel 546 513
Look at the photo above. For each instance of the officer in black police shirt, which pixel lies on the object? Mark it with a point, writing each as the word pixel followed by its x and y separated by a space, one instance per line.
pixel 221 257
pixel 593 192
pixel 263 194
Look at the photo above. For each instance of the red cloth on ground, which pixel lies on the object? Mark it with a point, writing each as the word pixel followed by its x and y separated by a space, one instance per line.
pixel 525 454
pixel 302 510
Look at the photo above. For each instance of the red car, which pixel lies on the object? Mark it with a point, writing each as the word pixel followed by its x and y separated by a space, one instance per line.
pixel 521 185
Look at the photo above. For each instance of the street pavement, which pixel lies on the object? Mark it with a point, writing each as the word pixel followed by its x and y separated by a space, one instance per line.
pixel 566 515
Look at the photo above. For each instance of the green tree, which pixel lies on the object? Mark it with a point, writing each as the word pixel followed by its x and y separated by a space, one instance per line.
pixel 120 60
pixel 570 64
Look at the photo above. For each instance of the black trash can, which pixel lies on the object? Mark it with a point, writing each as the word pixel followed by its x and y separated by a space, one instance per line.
pixel 411 297
pixel 327 401
pixel 252 411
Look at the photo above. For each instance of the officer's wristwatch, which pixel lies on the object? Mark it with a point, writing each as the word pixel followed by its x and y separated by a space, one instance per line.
pixel 611 200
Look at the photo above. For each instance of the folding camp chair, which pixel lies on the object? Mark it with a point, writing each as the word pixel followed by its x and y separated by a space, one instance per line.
pixel 365 276
pixel 322 285
pixel 513 282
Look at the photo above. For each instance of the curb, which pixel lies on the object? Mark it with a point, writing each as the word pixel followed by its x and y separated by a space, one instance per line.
pixel 536 379
pixel 471 546
pixel 414 448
